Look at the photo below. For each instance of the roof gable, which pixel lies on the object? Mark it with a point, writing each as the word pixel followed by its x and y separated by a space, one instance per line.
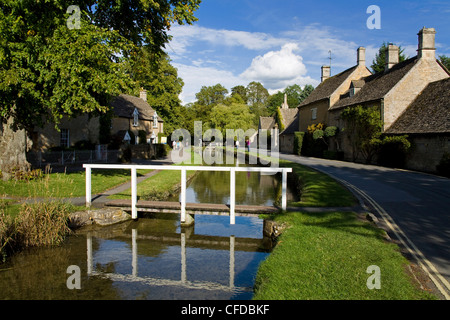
pixel 266 123
pixel 125 105
pixel 376 86
pixel 288 115
pixel 428 113
pixel 328 87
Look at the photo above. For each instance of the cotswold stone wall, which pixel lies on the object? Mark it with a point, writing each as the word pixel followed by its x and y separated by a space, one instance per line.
pixel 427 152
pixel 13 148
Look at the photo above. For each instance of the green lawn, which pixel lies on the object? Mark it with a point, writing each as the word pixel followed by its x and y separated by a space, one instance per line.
pixel 158 187
pixel 65 185
pixel 10 207
pixel 318 189
pixel 326 255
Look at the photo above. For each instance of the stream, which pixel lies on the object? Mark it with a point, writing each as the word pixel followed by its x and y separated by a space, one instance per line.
pixel 155 258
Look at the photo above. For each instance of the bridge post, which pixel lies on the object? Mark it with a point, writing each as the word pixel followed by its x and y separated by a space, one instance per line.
pixel 284 190
pixel 232 195
pixel 134 255
pixel 88 187
pixel 133 193
pixel 183 195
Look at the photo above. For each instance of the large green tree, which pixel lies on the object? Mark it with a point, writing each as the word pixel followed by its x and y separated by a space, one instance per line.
pixel 48 68
pixel 295 95
pixel 60 59
pixel 234 116
pixel 212 95
pixel 257 99
pixel 160 79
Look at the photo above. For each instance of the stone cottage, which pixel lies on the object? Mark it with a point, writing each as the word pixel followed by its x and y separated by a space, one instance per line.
pixel 426 121
pixel 394 89
pixel 130 115
pixel 314 109
pixel 286 121
pixel 289 125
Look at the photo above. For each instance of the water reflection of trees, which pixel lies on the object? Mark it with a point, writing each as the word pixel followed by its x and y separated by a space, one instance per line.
pixel 251 188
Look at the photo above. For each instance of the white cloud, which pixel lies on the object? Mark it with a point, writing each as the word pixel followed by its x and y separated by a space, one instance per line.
pixel 206 56
pixel 186 35
pixel 276 67
pixel 195 77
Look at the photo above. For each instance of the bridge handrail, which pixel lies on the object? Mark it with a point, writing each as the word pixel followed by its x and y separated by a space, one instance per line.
pixel 183 169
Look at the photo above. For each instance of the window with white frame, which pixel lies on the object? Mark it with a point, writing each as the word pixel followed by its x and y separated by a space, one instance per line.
pixel 64 138
pixel 135 118
pixel 313 113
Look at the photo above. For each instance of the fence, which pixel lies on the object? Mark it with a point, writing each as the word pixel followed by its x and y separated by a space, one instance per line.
pixel 41 159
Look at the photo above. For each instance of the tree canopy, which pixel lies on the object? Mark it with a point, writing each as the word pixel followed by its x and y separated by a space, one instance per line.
pixel 445 61
pixel 48 70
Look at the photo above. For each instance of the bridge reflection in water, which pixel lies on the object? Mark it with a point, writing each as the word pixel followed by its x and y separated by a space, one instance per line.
pixel 185 239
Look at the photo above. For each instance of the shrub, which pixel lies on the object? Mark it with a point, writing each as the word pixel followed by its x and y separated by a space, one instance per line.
pixel 393 151
pixel 26 175
pixel 443 168
pixel 298 142
pixel 142 137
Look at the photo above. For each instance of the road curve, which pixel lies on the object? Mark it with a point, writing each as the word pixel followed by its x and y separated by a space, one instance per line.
pixel 414 207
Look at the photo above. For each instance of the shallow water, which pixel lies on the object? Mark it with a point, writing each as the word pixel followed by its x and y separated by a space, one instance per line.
pixel 252 188
pixel 154 258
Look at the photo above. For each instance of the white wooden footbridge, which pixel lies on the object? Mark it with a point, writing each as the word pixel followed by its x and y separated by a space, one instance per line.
pixel 183 208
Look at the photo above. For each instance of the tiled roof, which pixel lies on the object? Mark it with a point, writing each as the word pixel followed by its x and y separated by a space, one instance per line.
pixel 124 106
pixel 266 123
pixel 376 86
pixel 327 87
pixel 428 113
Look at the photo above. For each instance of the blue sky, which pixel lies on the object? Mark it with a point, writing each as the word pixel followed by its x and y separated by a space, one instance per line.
pixel 280 43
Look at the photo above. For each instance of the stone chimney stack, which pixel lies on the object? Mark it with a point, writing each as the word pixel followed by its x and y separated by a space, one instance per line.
pixel 392 56
pixel 143 94
pixel 285 103
pixel 361 56
pixel 325 73
pixel 427 49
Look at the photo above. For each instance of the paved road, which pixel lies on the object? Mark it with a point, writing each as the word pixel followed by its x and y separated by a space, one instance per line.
pixel 415 206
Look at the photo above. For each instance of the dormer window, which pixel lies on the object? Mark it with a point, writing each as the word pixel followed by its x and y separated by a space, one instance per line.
pixel 155 120
pixel 135 118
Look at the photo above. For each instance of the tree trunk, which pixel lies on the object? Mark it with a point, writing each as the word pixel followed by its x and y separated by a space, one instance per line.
pixel 13 148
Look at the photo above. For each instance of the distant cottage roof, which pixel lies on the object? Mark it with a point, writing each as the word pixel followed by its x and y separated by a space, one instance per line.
pixel 124 106
pixel 288 116
pixel 292 127
pixel 327 87
pixel 428 113
pixel 266 123
pixel 376 86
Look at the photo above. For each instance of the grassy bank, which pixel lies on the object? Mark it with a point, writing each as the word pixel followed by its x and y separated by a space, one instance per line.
pixel 66 185
pixel 158 187
pixel 318 189
pixel 326 255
